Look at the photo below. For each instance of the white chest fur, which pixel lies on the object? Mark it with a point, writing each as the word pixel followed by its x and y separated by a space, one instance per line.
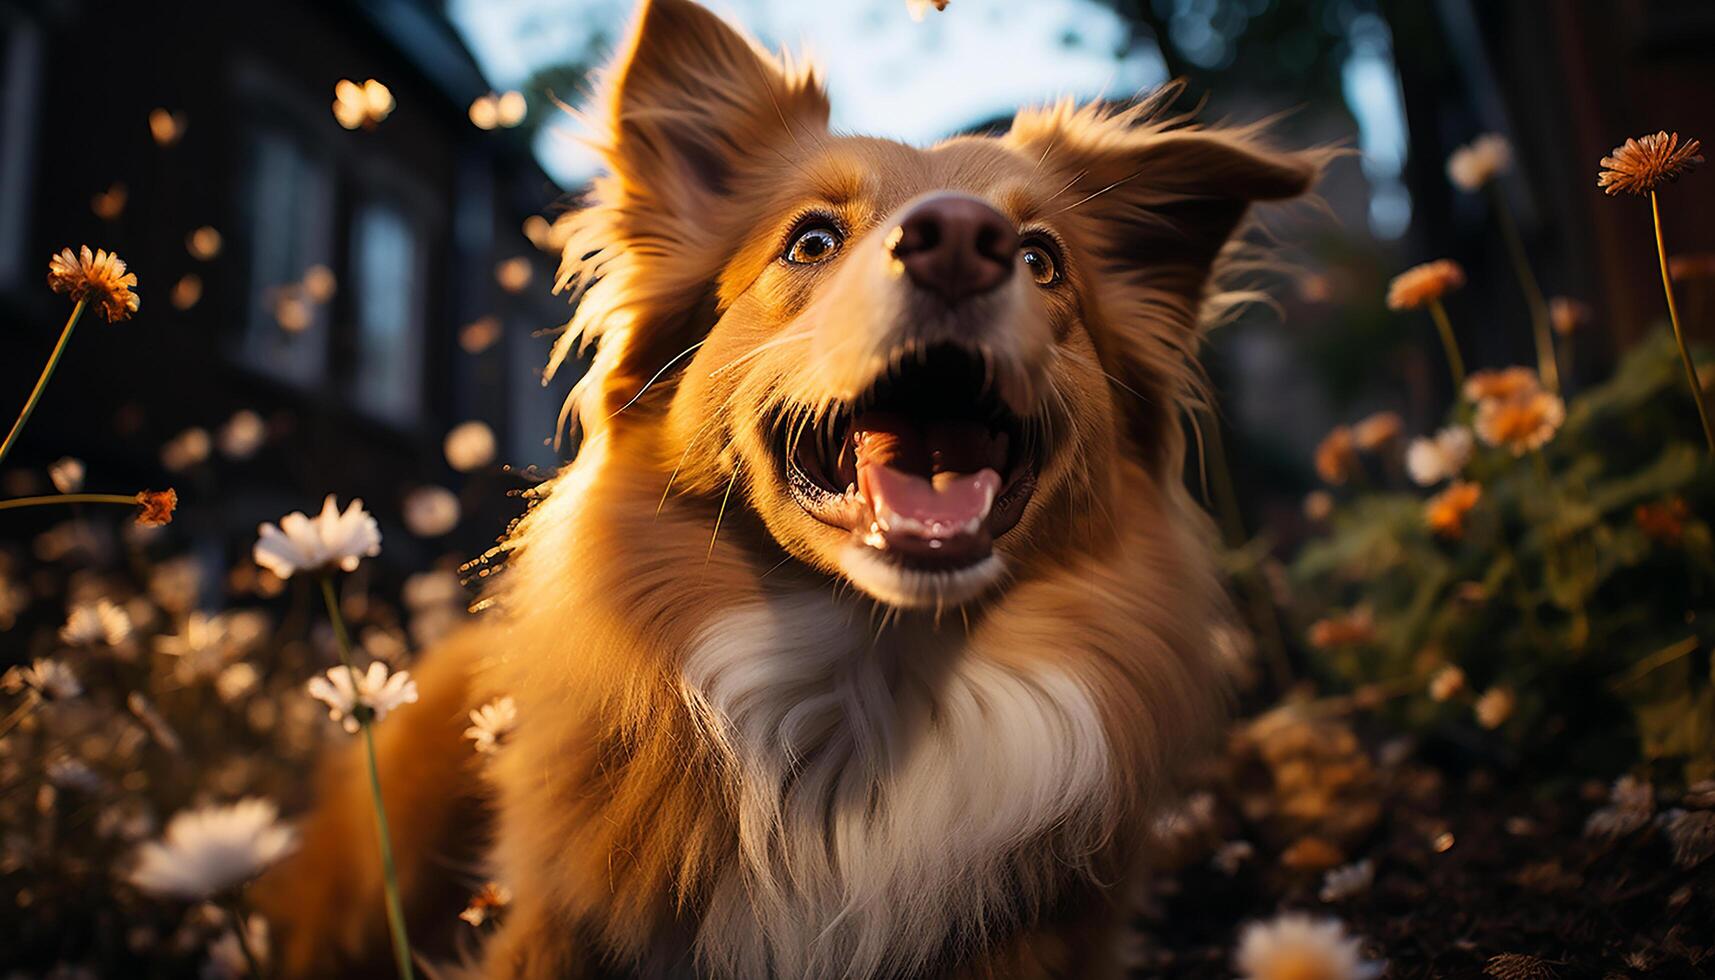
pixel 886 782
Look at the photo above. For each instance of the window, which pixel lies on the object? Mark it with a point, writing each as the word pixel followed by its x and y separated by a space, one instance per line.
pixel 20 86
pixel 289 208
pixel 387 262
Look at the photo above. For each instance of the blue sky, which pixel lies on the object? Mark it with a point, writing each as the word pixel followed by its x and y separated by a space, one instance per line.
pixel 888 75
pixel 891 76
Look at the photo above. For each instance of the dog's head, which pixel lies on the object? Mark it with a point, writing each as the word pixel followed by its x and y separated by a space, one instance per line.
pixel 920 368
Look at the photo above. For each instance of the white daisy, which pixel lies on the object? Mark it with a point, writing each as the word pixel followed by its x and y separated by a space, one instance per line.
pixel 207 851
pixel 431 511
pixel 491 724
pixel 1293 946
pixel 49 678
pixel 330 539
pixel 242 435
pixel 376 690
pixel 1340 884
pixel 91 623
pixel 1473 165
pixel 1439 458
pixel 67 474
pixel 469 446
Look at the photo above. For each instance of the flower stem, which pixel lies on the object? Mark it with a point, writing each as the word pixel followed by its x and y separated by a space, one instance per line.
pixel 17 717
pixel 42 382
pixel 1678 333
pixel 1455 363
pixel 390 874
pixel 69 498
pixel 1546 364
pixel 243 936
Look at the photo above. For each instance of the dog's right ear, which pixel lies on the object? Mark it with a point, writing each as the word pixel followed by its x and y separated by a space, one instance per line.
pixel 694 121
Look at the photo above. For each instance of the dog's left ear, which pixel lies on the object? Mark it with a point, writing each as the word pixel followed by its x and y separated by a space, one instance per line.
pixel 1161 197
pixel 1155 200
pixel 693 120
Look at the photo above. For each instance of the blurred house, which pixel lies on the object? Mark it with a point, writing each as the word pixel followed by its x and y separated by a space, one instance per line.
pixel 320 276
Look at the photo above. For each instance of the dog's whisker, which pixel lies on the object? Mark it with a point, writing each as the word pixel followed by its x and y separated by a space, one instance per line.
pixel 656 377
pixel 760 349
pixel 721 514
pixel 1091 197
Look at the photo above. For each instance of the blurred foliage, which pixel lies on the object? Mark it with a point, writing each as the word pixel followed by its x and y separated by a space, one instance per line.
pixel 1581 586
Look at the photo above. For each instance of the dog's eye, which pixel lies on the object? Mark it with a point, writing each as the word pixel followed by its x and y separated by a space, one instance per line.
pixel 1039 259
pixel 813 244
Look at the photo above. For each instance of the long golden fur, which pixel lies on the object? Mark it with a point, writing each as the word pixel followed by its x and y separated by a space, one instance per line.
pixel 748 746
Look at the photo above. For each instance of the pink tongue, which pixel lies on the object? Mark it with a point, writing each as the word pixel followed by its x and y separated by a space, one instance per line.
pixel 943 506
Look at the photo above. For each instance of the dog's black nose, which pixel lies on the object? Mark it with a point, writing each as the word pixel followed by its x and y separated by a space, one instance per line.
pixel 955 245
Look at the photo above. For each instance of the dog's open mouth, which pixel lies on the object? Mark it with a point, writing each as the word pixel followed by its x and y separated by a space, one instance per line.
pixel 927 467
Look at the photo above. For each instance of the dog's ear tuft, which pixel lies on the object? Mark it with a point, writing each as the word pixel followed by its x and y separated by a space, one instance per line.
pixel 691 102
pixel 696 123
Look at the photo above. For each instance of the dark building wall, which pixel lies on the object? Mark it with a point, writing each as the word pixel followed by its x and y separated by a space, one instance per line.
pixel 249 79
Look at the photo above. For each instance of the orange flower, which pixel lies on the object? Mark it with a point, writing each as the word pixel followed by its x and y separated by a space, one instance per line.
pixel 1640 165
pixel 100 278
pixel 1665 522
pixel 1504 385
pixel 1377 431
pixel 1344 629
pixel 1445 512
pixel 1520 424
pixel 1421 285
pixel 1336 456
pixel 155 507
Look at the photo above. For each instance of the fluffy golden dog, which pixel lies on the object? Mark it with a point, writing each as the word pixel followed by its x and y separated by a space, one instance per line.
pixel 873 617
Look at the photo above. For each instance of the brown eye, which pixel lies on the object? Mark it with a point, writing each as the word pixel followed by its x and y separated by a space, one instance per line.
pixel 816 243
pixel 1039 258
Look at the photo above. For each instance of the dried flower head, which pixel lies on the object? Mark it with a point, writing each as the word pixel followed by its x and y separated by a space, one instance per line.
pixel 99 278
pixel 1664 521
pixel 329 540
pixel 1293 946
pixel 1446 511
pixel 208 851
pixel 48 678
pixel 1447 683
pixel 155 507
pixel 487 903
pixel 1377 431
pixel 1344 629
pixel 1640 165
pixel 1520 424
pixel 1420 285
pixel 1336 456
pixel 349 694
pixel 1502 384
pixel 1692 834
pixel 1472 166
pixel 492 724
pixel 1631 803
pixel 1495 707
pixel 1441 457
pixel 1567 315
